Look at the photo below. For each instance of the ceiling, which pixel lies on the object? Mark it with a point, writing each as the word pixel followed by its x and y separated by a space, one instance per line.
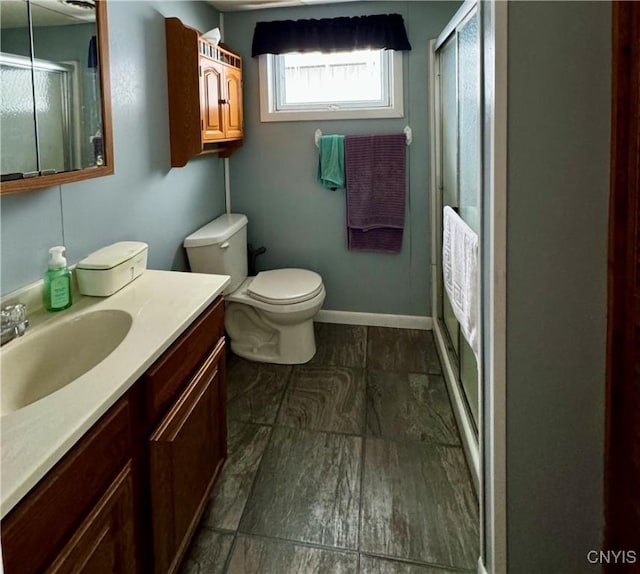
pixel 235 5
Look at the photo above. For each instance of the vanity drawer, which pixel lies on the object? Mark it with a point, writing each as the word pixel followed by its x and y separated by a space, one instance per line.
pixel 35 530
pixel 168 375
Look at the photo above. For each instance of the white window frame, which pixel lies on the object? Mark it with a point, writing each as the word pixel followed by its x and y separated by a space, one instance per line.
pixel 270 113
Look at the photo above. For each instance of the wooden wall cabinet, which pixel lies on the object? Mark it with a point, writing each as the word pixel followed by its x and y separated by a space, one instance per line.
pixel 129 495
pixel 205 95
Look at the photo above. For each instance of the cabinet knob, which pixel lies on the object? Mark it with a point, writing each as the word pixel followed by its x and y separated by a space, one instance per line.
pixel 223 101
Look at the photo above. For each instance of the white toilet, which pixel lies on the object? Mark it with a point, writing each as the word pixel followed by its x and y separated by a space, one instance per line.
pixel 269 317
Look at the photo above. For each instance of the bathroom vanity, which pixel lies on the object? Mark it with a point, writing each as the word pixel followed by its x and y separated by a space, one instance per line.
pixel 111 473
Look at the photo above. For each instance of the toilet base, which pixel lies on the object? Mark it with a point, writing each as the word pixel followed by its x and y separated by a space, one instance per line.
pixel 257 338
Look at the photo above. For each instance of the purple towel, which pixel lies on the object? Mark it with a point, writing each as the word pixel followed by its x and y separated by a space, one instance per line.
pixel 376 188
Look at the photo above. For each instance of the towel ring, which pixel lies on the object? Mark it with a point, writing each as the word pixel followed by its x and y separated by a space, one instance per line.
pixel 408 132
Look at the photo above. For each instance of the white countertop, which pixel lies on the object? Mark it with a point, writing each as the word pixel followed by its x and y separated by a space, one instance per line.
pixel 163 304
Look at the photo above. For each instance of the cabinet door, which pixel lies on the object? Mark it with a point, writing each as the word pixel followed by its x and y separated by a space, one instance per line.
pixel 104 543
pixel 48 517
pixel 233 106
pixel 186 451
pixel 211 100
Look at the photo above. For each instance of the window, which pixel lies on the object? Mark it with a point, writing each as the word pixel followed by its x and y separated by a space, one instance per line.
pixel 338 85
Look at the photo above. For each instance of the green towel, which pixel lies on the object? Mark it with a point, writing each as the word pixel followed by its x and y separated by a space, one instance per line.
pixel 331 161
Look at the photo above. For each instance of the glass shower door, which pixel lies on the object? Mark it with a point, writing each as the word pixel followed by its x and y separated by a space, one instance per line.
pixel 35 96
pixel 449 99
pixel 52 112
pixel 18 134
pixel 459 59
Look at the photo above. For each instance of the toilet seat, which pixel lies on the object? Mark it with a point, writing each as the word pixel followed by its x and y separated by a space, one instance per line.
pixel 285 286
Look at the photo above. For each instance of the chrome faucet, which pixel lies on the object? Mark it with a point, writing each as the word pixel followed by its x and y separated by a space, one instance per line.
pixel 14 322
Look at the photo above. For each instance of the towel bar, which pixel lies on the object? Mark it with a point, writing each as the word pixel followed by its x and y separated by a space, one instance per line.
pixel 407 132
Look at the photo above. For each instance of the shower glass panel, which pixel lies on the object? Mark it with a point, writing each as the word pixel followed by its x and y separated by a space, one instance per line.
pixel 448 79
pixel 23 81
pixel 18 134
pixel 469 122
pixel 52 112
pixel 470 176
pixel 460 169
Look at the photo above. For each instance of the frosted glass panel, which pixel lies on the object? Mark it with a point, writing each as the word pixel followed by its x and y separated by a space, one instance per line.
pixel 450 322
pixel 469 175
pixel 50 117
pixel 469 122
pixel 459 130
pixel 469 377
pixel 449 100
pixel 449 134
pixel 17 135
pixel 51 110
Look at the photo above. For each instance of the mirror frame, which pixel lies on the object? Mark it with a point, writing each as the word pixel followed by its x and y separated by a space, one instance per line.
pixel 43 181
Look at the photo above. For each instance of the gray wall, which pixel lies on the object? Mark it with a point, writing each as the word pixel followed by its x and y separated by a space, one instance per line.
pixel 145 200
pixel 302 224
pixel 558 169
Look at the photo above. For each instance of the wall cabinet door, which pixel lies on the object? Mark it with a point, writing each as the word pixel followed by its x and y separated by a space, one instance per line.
pixel 212 95
pixel 233 106
pixel 186 452
pixel 206 120
pixel 104 543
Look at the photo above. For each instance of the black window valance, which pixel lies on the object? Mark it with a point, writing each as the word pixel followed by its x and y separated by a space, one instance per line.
pixel 331 35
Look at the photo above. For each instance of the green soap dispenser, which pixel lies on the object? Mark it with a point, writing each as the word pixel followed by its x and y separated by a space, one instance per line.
pixel 57 281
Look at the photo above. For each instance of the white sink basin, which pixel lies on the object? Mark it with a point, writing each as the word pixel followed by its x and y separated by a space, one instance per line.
pixel 35 366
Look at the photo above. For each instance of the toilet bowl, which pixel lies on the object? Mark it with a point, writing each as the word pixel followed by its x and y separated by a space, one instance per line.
pixel 278 329
pixel 269 317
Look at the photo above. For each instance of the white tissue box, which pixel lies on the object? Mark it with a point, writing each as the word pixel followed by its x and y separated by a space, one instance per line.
pixel 111 268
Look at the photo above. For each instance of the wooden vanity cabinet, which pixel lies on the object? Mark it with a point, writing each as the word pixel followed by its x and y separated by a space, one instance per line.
pixel 205 95
pixel 81 514
pixel 128 496
pixel 185 400
pixel 105 541
pixel 186 451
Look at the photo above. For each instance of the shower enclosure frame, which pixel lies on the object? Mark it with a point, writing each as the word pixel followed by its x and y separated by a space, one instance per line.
pixel 451 359
pixel 67 74
pixel 486 451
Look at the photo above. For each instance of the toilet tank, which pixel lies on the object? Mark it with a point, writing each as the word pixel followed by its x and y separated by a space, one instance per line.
pixel 220 247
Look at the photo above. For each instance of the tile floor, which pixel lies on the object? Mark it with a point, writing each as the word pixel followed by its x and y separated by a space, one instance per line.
pixel 349 464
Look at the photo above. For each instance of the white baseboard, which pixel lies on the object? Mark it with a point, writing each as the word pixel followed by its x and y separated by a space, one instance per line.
pixel 481 568
pixel 375 320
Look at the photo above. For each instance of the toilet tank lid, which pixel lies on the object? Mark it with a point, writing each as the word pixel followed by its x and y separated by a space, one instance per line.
pixel 217 231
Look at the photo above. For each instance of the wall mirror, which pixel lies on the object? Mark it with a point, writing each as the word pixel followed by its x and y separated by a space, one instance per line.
pixel 55 112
